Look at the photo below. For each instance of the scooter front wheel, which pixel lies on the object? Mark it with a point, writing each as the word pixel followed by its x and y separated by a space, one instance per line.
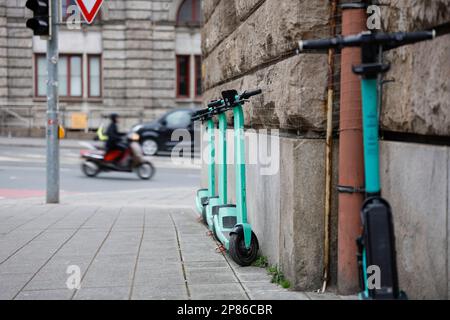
pixel 239 253
pixel 146 171
pixel 90 169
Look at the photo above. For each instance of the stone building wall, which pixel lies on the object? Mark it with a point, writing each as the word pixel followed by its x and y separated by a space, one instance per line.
pixel 19 53
pixel 419 100
pixel 415 176
pixel 246 44
pixel 250 44
pixel 3 53
pixel 127 54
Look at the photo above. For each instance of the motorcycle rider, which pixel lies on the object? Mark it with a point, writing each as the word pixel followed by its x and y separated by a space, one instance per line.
pixel 115 138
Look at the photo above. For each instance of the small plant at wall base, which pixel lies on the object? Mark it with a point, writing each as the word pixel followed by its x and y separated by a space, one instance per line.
pixel 277 276
pixel 261 262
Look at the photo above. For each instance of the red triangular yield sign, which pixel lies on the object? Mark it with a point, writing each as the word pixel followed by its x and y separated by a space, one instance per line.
pixel 89 8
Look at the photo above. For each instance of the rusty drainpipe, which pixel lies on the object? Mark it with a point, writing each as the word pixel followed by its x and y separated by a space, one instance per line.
pixel 351 158
pixel 329 150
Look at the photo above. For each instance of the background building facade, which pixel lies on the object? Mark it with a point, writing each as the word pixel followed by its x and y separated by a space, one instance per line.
pixel 139 59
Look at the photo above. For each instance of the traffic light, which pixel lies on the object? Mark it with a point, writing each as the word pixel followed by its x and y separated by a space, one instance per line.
pixel 40 23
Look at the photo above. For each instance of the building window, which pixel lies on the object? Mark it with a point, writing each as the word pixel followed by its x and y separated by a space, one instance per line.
pixel 94 76
pixel 183 76
pixel 198 76
pixel 71 76
pixel 75 76
pixel 189 77
pixel 190 13
pixel 41 76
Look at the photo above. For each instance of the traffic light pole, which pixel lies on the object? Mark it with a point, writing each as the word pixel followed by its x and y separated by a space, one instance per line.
pixel 52 108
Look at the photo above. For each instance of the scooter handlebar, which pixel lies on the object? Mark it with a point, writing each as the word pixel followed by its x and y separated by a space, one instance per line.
pixel 387 40
pixel 404 38
pixel 320 44
pixel 198 115
pixel 215 103
pixel 249 94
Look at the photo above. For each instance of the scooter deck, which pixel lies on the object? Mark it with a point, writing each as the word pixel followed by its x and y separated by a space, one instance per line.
pixel 225 221
pixel 200 199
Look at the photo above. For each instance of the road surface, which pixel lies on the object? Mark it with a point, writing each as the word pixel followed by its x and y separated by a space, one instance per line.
pixel 22 175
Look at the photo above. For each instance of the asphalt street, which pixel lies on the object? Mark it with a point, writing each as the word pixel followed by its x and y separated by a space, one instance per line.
pixel 22 174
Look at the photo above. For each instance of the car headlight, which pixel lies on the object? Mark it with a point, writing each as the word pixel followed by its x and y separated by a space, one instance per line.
pixel 137 128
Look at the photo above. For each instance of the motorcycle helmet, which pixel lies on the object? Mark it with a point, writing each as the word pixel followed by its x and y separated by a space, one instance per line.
pixel 114 117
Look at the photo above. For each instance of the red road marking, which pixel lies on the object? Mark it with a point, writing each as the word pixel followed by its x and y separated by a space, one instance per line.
pixel 18 194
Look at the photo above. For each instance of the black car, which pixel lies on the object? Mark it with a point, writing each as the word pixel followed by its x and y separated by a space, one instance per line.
pixel 156 136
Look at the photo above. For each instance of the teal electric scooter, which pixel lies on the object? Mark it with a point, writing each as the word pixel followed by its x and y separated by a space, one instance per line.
pixel 203 195
pixel 377 244
pixel 216 108
pixel 229 222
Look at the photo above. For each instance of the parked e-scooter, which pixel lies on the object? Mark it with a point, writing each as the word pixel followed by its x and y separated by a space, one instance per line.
pixel 216 107
pixel 230 222
pixel 203 195
pixel 377 244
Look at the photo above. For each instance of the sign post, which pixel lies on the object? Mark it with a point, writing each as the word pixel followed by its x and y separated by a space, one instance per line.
pixel 52 109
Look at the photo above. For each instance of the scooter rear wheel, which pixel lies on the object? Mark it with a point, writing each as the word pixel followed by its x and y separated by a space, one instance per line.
pixel 90 169
pixel 239 253
pixel 146 171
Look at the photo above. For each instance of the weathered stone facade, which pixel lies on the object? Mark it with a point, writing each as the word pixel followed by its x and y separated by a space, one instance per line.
pixel 138 45
pixel 251 44
pixel 248 44
pixel 419 100
pixel 3 54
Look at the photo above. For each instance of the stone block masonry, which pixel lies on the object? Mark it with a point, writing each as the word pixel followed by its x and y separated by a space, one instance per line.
pixel 250 44
pixel 419 100
pixel 247 45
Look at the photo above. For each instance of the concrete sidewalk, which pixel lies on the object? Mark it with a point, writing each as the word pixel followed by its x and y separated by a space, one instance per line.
pixel 137 250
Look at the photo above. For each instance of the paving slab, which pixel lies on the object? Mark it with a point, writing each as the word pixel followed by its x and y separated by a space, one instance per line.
pixel 110 271
pixel 12 284
pixel 210 276
pixel 277 295
pixel 109 293
pixel 173 292
pixel 229 291
pixel 60 294
pixel 138 251
pixel 54 274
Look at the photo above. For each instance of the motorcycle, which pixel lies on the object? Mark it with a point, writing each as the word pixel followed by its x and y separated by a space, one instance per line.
pixel 96 160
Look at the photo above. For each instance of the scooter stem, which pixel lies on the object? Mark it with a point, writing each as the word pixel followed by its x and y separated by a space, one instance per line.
pixel 370 136
pixel 212 159
pixel 239 140
pixel 223 158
